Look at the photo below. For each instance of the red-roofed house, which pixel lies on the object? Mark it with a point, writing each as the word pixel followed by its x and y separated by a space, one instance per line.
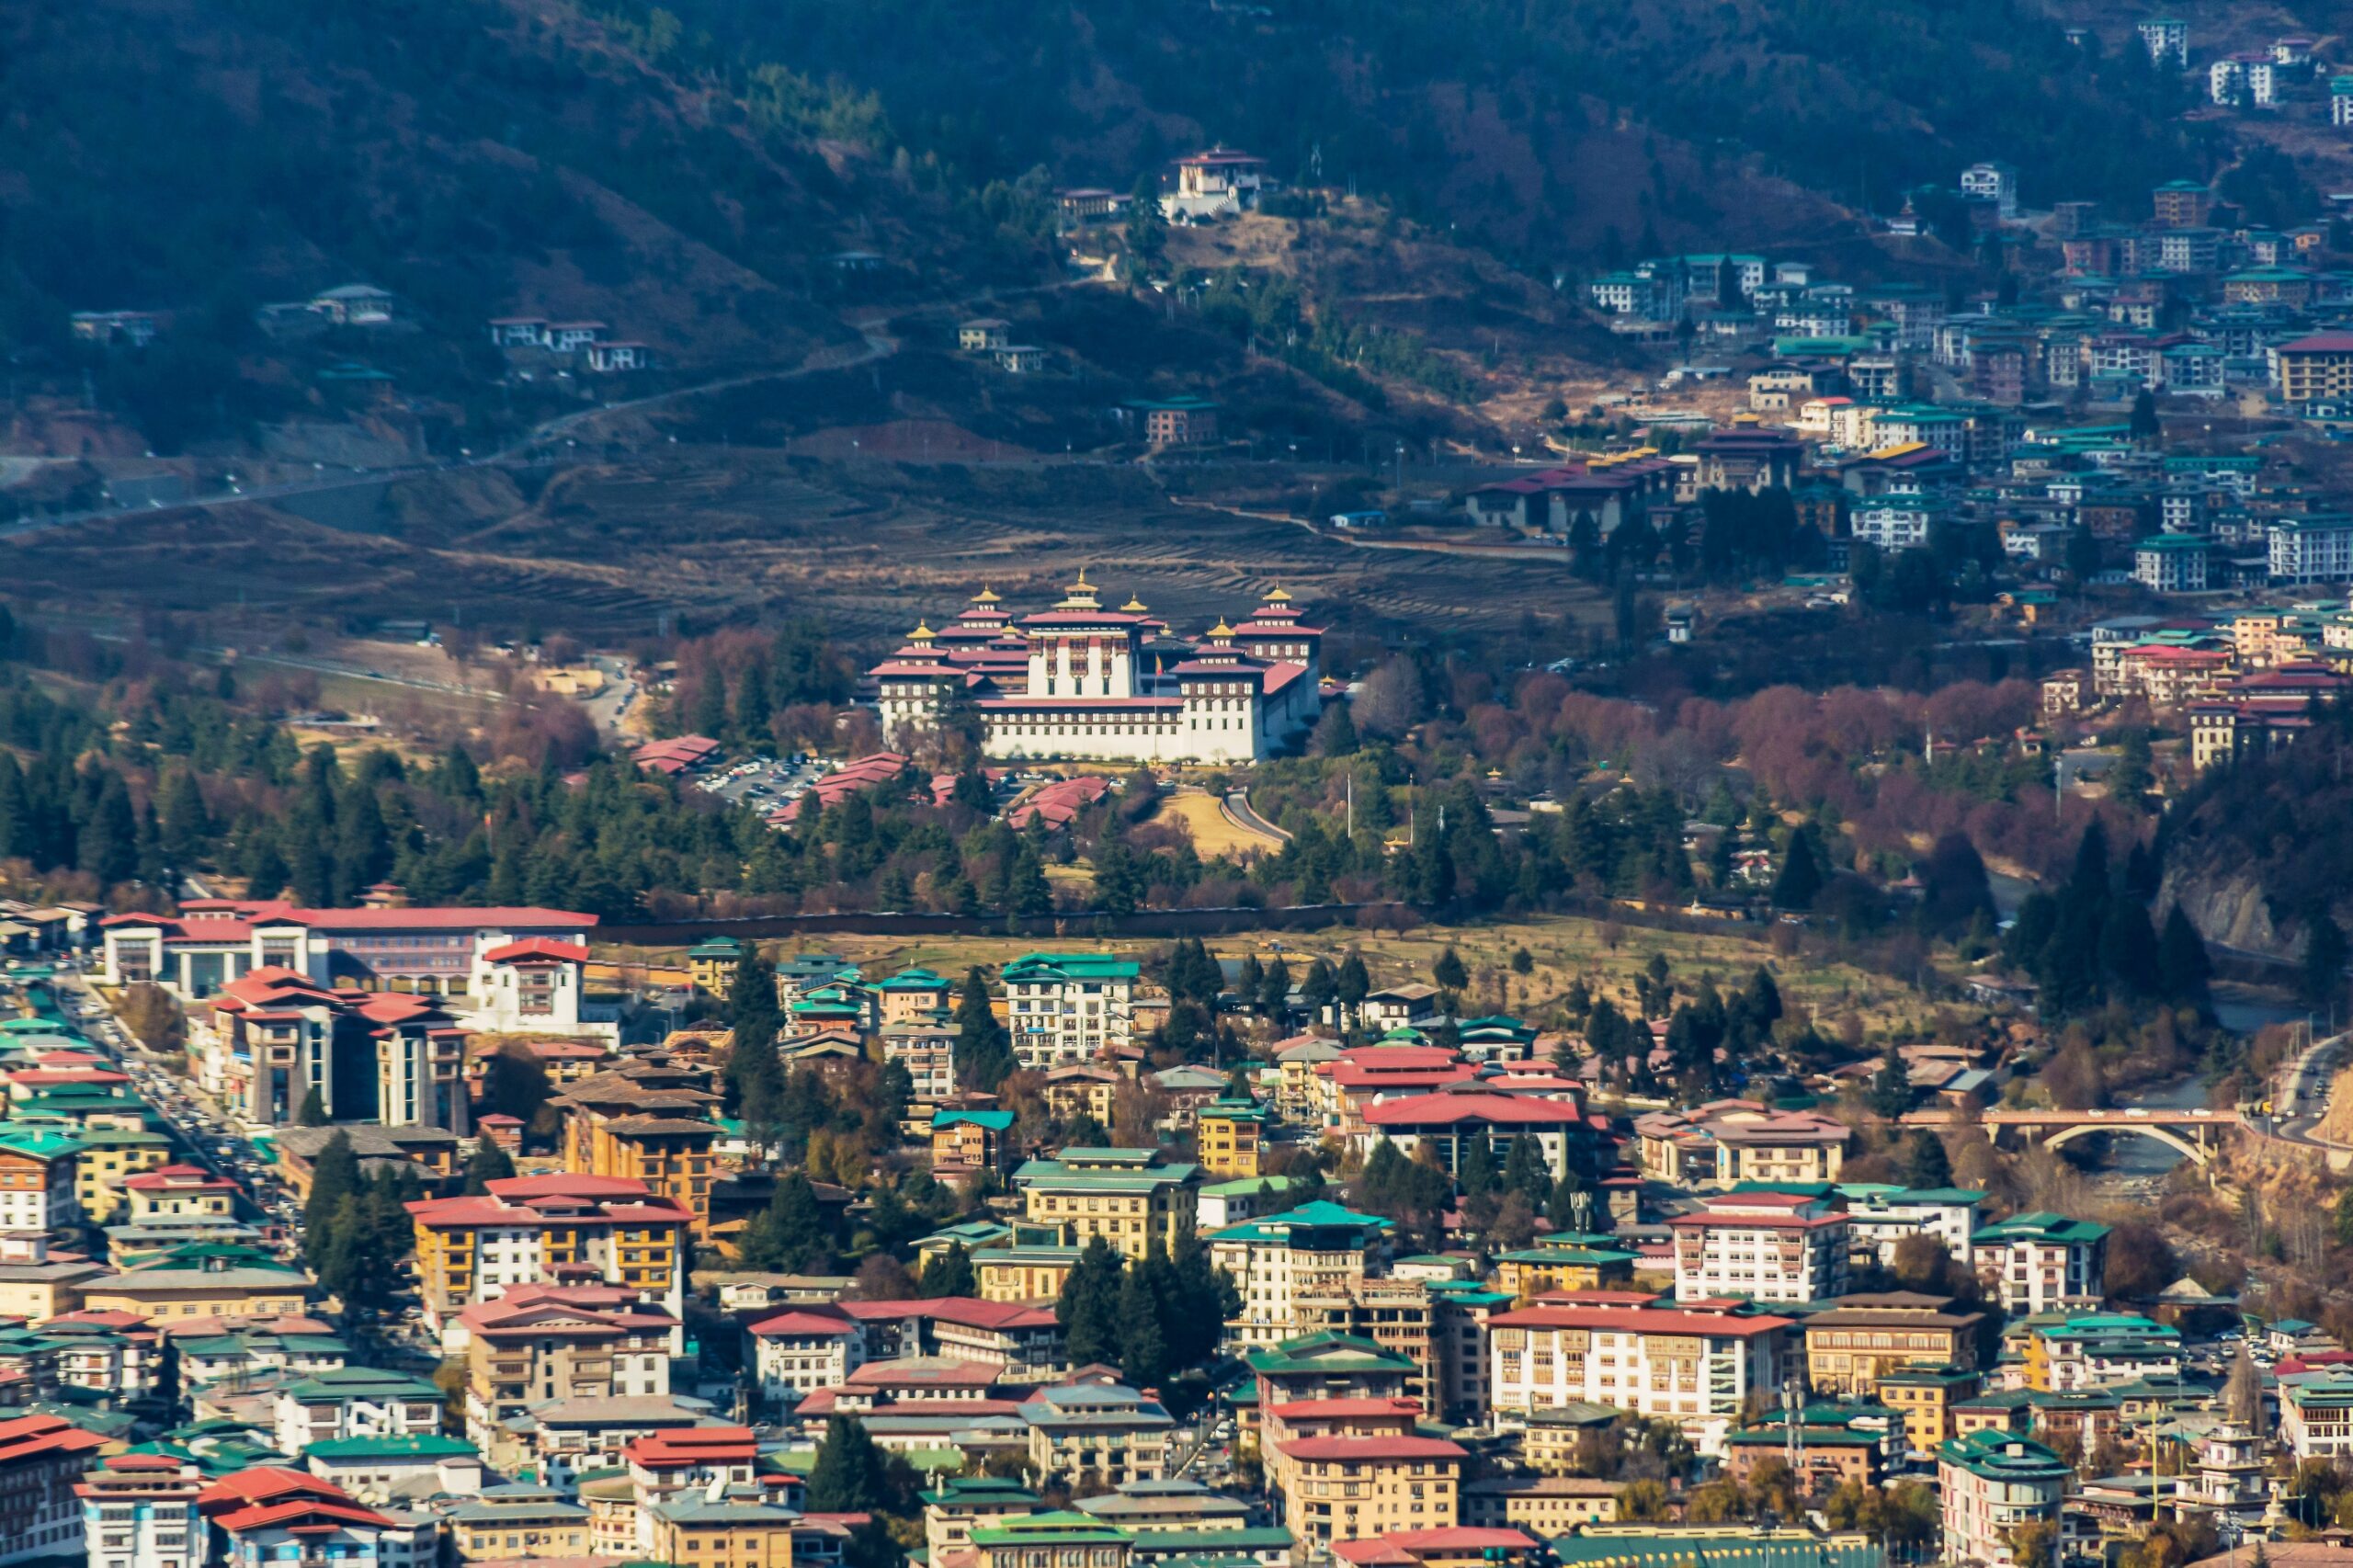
pixel 139 1511
pixel 271 1514
pixel 1692 1365
pixel 180 1192
pixel 41 1459
pixel 1341 1489
pixel 799 1352
pixel 538 1343
pixel 1462 1547
pixel 1564 1135
pixel 563 1228
pixel 1767 1246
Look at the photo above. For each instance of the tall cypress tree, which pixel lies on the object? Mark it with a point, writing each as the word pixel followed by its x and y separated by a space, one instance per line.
pixel 983 1051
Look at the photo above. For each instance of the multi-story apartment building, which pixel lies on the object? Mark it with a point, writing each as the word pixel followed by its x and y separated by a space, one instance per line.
pixel 1318 1248
pixel 1860 1340
pixel 2316 369
pixel 2171 563
pixel 1992 1483
pixel 1067 1007
pixel 2312 550
pixel 538 1343
pixel 927 1051
pixel 269 1516
pixel 2100 1349
pixel 2042 1262
pixel 354 1402
pixel 1125 1195
pixel 1460 1310
pixel 738 1529
pixel 541 1230
pixel 1112 1432
pixel 1227 1134
pixel 267 1045
pixel 1881 1217
pixel 1348 1489
pixel 646 1122
pixel 42 1459
pixel 1693 1365
pixel 799 1352
pixel 1396 1314
pixel 110 1157
pixel 139 1511
pixel 2316 1415
pixel 37 1192
pixel 1768 1246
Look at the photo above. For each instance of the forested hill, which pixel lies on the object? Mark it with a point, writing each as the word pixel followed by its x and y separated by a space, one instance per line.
pixel 2259 853
pixel 1480 112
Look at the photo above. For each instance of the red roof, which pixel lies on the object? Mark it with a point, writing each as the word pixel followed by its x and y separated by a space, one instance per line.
pixel 542 950
pixel 796 1325
pixel 1640 1320
pixel 1407 1546
pixel 2321 342
pixel 966 1311
pixel 249 1486
pixel 1500 1109
pixel 1373 1448
pixel 30 1437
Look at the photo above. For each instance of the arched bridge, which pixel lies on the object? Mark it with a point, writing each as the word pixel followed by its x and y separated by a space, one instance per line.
pixel 2195 1133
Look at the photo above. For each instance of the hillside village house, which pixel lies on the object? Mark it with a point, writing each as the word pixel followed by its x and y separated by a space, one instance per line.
pixel 1079 680
pixel 1219 183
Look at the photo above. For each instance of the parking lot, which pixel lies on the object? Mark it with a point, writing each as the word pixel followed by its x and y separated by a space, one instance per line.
pixel 766 783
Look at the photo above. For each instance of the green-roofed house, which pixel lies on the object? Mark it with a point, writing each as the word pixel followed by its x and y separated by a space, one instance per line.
pixel 1742 1545
pixel 1223 1203
pixel 374 1470
pixel 1564 1261
pixel 1063 1536
pixel 36 1189
pixel 955 1508
pixel 1881 1216
pixel 2101 1350
pixel 914 996
pixel 1125 1195
pixel 1328 1365
pixel 2042 1262
pixel 712 962
pixel 966 1142
pixel 354 1402
pixel 1991 1483
pixel 210 1358
pixel 1062 1008
pixel 1830 1453
pixel 1320 1246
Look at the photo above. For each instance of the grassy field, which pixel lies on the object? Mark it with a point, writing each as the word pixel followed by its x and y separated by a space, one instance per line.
pixel 1213 831
pixel 1606 956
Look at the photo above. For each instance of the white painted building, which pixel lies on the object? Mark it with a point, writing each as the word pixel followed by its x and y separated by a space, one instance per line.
pixel 1766 1246
pixel 1693 1366
pixel 798 1352
pixel 1066 1007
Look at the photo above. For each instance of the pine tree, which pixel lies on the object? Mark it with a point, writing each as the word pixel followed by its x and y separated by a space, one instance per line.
pixel 109 842
pixel 1524 1170
pixel 1089 1305
pixel 1449 972
pixel 1144 1350
pixel 790 1235
pixel 984 1052
pixel 949 1273
pixel 1354 983
pixel 2183 967
pixel 1802 876
pixel 2323 970
pixel 851 1475
pixel 335 1175
pixel 314 1111
pixel 1926 1166
pixel 187 826
pixel 1477 1161
pixel 488 1164
pixel 1321 986
pixel 1027 894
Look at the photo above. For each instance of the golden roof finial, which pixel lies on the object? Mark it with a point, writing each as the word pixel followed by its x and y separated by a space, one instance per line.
pixel 1278 596
pixel 922 633
pixel 987 595
pixel 1133 607
pixel 1221 629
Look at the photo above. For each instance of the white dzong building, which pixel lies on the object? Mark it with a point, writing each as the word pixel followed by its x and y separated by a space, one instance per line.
pixel 1079 680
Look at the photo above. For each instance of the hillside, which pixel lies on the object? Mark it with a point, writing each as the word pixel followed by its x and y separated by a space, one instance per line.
pixel 2252 852
pixel 1541 129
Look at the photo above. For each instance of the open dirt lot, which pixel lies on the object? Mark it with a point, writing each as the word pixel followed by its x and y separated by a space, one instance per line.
pixel 604 548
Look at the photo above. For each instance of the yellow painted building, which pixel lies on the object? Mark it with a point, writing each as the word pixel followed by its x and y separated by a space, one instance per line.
pixel 1354 1488
pixel 730 1533
pixel 1849 1347
pixel 1122 1194
pixel 110 1156
pixel 1023 1274
pixel 1926 1395
pixel 1230 1133
pixel 646 1124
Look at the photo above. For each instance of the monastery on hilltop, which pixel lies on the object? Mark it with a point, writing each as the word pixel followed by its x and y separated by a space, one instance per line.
pixel 1079 680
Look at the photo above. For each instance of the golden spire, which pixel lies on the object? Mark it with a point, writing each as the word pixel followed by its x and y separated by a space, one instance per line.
pixel 1221 629
pixel 1133 607
pixel 1278 596
pixel 922 633
pixel 987 595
